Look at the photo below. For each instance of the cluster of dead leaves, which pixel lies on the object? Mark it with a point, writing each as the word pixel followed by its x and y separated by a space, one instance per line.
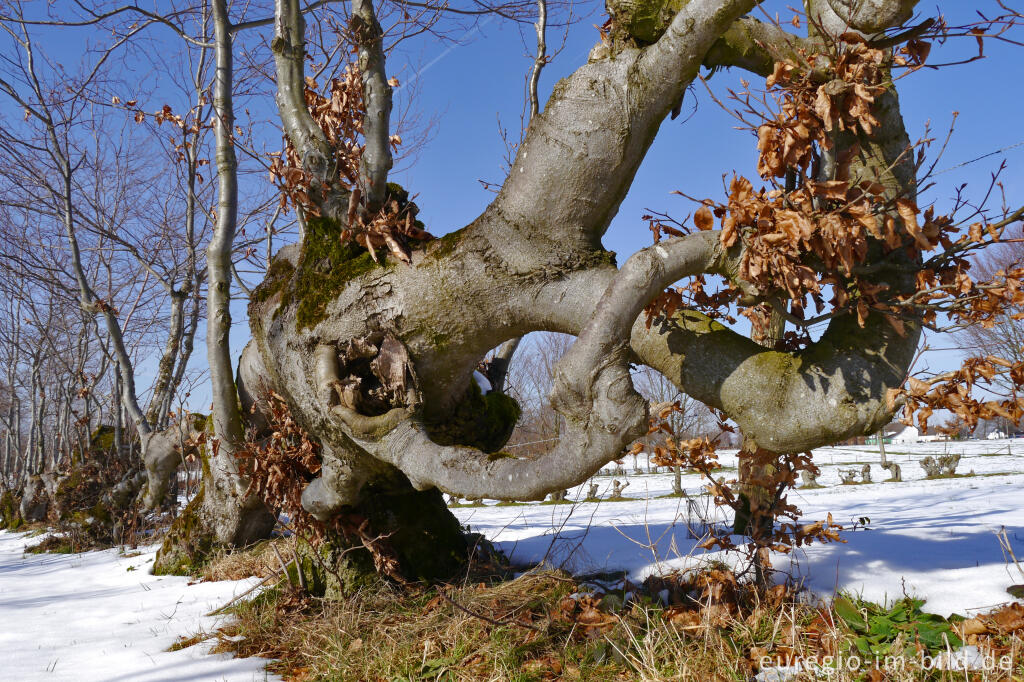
pixel 585 611
pixel 996 634
pixel 761 469
pixel 796 242
pixel 339 113
pixel 701 602
pixel 1007 621
pixel 818 233
pixel 813 233
pixel 953 391
pixel 694 601
pixel 815 106
pixel 356 528
pixel 391 227
pixel 818 638
pixel 944 286
pixel 851 238
pixel 279 467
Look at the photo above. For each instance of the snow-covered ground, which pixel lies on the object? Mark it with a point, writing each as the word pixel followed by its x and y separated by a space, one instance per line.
pixel 929 538
pixel 102 616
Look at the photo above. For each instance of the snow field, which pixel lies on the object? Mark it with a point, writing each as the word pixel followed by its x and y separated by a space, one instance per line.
pixel 102 616
pixel 933 539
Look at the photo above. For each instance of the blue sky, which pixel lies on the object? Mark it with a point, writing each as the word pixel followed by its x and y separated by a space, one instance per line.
pixel 465 88
pixel 471 85
pixel 468 87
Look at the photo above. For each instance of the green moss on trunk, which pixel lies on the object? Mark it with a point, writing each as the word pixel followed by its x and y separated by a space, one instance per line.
pixel 10 511
pixel 480 421
pixel 279 276
pixel 644 20
pixel 424 536
pixel 326 265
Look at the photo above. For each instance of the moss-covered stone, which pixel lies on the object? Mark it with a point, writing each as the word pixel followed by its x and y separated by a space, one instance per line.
pixel 53 544
pixel 101 442
pixel 480 421
pixel 79 496
pixel 102 438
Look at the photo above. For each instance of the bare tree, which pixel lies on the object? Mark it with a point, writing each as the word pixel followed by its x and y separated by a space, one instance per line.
pixel 234 517
pixel 690 420
pixel 1003 335
pixel 71 172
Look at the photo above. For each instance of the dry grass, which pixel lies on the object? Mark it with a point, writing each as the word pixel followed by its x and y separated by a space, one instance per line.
pixel 263 560
pixel 546 626
pixel 501 632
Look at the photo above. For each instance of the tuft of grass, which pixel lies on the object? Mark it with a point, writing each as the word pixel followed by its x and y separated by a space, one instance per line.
pixel 262 560
pixel 53 544
pixel 533 628
pixel 185 642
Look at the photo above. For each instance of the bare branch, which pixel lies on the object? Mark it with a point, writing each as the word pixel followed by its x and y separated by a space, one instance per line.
pixel 376 160
pixel 593 391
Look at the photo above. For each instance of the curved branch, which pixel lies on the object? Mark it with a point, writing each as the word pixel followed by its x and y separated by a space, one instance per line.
pixel 596 128
pixel 96 18
pixel 592 390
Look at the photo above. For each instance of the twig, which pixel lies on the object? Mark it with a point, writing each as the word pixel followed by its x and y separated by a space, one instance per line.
pixel 298 569
pixel 280 559
pixel 1004 544
pixel 252 589
pixel 541 58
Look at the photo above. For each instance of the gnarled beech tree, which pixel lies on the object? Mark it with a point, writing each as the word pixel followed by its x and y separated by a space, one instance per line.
pixel 375 359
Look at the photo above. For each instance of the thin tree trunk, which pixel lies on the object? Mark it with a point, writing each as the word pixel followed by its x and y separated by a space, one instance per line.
pixel 235 519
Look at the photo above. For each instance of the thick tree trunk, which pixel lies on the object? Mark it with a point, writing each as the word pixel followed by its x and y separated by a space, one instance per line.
pixel 404 533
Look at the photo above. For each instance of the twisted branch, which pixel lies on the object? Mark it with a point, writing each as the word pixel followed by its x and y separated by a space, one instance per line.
pixel 592 390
